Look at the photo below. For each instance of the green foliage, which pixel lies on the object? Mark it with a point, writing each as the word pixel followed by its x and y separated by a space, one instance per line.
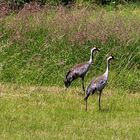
pixel 39 48
pixel 41 2
pixel 18 2
pixel 56 2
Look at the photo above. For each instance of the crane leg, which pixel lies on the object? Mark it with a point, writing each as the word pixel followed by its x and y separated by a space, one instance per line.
pixel 86 98
pixel 100 100
pixel 83 84
pixel 86 105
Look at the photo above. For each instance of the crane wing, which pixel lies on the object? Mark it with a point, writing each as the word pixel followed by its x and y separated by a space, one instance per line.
pixel 99 82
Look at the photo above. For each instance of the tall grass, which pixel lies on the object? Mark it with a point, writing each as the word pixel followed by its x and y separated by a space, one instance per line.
pixel 38 46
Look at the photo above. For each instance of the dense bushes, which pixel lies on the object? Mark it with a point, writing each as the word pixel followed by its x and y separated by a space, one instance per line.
pixel 65 2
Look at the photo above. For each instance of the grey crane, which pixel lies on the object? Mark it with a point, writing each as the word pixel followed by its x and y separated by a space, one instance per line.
pixel 98 83
pixel 79 70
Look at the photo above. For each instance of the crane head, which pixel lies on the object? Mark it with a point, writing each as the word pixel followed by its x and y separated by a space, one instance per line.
pixel 67 83
pixel 95 49
pixel 110 58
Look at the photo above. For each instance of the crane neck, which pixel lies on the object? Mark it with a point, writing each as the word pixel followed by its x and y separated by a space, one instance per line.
pixel 91 58
pixel 107 69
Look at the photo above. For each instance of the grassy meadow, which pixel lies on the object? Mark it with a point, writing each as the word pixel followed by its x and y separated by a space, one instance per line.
pixel 53 113
pixel 37 48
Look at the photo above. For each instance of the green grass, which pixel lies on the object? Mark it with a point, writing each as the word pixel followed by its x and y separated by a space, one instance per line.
pixel 53 113
pixel 36 51
pixel 38 48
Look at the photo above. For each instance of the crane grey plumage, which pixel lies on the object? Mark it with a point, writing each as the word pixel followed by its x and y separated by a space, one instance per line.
pixel 79 70
pixel 98 83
